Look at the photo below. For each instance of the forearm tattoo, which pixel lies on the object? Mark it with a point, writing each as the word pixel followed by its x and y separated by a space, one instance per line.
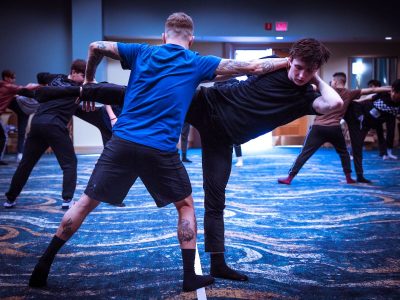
pixel 67 228
pixel 185 233
pixel 255 67
pixel 229 65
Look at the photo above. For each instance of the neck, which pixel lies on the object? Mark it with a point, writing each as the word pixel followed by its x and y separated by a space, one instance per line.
pixel 180 42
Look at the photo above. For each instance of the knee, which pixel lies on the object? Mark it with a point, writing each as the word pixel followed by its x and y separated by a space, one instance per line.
pixel 85 204
pixel 214 209
pixel 186 205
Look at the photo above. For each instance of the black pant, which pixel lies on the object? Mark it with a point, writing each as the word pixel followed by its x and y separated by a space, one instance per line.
pixel 316 137
pixel 22 123
pixel 184 137
pixel 385 143
pixel 358 131
pixel 238 150
pixel 3 140
pixel 40 137
pixel 217 164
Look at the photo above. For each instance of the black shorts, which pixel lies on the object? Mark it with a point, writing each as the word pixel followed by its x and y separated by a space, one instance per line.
pixel 122 162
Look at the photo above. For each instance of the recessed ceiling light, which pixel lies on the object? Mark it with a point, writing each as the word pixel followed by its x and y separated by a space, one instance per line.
pixel 279 37
pixel 388 38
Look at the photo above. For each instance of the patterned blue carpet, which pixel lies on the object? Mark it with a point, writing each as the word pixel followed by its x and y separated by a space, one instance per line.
pixel 318 238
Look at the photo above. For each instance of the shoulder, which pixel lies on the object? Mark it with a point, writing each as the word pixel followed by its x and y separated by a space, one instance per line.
pixel 131 47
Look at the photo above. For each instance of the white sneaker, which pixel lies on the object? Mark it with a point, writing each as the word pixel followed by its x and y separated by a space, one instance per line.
pixel 239 163
pixel 389 153
pixel 10 204
pixel 19 157
pixel 67 203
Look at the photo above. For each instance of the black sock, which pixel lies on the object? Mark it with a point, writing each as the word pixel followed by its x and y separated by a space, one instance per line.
pixel 191 281
pixel 220 269
pixel 42 268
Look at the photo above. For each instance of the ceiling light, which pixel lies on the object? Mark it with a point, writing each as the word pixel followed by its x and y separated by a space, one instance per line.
pixel 388 38
pixel 279 37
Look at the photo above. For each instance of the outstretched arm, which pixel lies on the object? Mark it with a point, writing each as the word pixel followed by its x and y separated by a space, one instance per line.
pixel 106 93
pixel 366 98
pixel 253 67
pixel 374 90
pixel 47 93
pixel 97 50
pixel 329 99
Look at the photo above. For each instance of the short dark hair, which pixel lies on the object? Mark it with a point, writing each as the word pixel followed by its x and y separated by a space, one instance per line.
pixel 310 51
pixel 396 86
pixel 79 66
pixel 374 82
pixel 340 76
pixel 179 24
pixel 7 73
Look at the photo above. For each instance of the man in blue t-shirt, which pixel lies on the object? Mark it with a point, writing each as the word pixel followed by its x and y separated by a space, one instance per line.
pixel 160 89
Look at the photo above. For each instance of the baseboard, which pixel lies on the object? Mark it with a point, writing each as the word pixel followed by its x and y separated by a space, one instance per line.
pixel 88 149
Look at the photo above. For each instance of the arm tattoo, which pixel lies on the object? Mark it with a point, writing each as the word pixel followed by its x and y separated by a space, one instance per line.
pixel 67 228
pixel 96 53
pixel 185 233
pixel 267 66
pixel 101 45
pixel 229 65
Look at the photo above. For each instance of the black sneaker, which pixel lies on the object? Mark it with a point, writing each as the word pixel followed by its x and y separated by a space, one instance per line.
pixel 10 203
pixel 362 179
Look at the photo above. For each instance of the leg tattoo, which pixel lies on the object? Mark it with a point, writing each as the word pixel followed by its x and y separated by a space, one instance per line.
pixel 185 233
pixel 67 228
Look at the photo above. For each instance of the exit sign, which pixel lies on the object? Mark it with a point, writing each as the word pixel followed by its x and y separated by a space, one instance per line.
pixel 281 26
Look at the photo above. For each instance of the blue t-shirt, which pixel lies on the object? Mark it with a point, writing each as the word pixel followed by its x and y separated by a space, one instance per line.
pixel 161 85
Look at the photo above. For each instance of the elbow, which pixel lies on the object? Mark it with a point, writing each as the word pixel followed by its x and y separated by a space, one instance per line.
pixel 93 47
pixel 338 104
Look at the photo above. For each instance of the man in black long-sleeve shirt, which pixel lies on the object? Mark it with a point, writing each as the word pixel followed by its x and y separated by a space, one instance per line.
pixel 49 129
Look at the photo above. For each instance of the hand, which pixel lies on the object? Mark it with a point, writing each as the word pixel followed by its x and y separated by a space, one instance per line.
pixel 289 62
pixel 316 80
pixel 89 106
pixel 113 121
pixel 88 82
pixel 32 86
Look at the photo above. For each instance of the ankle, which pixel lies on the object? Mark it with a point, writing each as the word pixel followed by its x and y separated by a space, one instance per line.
pixel 349 179
pixel 217 259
